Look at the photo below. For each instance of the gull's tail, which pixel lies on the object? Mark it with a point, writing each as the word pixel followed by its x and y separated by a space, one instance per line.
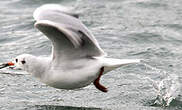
pixel 112 63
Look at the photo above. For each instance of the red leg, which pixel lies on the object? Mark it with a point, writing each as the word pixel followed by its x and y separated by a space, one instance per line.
pixel 97 84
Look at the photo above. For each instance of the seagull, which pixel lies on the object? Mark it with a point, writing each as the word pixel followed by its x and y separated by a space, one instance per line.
pixel 76 60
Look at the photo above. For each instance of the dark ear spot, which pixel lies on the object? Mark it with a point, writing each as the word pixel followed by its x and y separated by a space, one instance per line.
pixel 23 62
pixel 16 60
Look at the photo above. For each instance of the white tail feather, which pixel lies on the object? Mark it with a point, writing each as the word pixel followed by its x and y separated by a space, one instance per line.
pixel 111 63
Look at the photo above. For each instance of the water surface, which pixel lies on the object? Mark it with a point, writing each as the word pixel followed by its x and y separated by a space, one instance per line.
pixel 146 29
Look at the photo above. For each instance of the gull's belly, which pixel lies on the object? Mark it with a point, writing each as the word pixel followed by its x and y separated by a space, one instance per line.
pixel 72 80
pixel 73 74
pixel 73 77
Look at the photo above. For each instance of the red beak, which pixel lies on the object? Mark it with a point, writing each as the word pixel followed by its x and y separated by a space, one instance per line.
pixel 6 65
pixel 10 63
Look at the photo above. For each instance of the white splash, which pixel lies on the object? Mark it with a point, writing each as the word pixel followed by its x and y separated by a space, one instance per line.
pixel 166 85
pixel 167 89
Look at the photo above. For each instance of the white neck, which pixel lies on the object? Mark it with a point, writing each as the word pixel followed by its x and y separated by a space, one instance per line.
pixel 38 66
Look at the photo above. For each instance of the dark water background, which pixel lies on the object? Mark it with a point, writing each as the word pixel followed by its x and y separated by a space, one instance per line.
pixel 146 29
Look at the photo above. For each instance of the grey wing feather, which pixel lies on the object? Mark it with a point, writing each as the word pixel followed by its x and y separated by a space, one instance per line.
pixel 57 31
pixel 67 41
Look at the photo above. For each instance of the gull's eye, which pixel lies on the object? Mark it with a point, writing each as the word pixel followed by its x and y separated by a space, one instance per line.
pixel 16 60
pixel 23 62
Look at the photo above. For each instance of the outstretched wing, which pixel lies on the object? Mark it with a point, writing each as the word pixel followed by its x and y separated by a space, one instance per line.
pixel 70 38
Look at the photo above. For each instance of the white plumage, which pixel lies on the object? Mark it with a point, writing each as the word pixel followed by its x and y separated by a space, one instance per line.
pixel 76 58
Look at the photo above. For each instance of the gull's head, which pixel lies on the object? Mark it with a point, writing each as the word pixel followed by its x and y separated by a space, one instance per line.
pixel 23 62
pixel 29 63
